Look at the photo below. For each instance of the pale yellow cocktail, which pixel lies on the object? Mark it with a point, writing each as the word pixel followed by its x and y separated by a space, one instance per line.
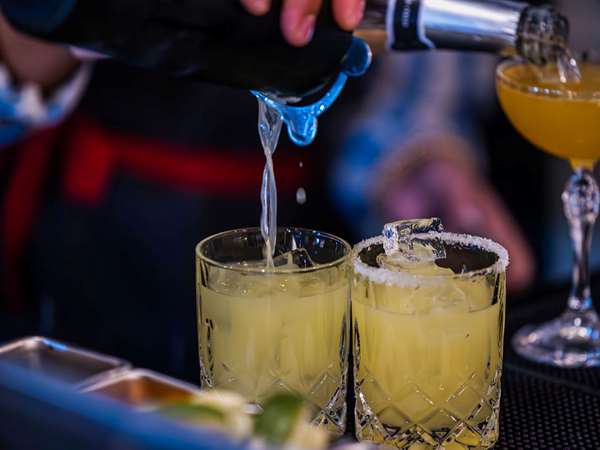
pixel 428 350
pixel 264 330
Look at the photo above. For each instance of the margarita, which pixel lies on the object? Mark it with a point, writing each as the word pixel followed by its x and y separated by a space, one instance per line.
pixel 428 347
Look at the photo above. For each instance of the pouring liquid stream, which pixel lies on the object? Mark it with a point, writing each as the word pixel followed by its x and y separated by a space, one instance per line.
pixel 269 129
pixel 301 123
pixel 568 70
pixel 566 75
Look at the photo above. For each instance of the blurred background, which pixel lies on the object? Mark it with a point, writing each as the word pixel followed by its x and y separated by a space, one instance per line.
pixel 109 176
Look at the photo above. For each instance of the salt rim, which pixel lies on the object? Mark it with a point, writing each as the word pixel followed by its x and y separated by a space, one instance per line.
pixel 402 279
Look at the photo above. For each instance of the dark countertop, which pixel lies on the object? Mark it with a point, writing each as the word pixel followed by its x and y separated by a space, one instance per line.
pixel 542 406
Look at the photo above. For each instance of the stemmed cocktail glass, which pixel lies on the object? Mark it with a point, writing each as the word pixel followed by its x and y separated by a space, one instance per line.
pixel 564 120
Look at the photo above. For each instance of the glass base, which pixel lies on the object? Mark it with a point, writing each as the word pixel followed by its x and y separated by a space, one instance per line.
pixel 571 340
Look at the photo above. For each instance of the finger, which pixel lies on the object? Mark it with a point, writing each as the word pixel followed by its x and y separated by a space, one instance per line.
pixel 348 13
pixel 298 19
pixel 256 7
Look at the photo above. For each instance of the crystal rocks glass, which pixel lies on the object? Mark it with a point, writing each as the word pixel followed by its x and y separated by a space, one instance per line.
pixel 427 344
pixel 263 330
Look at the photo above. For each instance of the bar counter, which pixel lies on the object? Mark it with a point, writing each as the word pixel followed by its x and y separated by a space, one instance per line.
pixel 542 406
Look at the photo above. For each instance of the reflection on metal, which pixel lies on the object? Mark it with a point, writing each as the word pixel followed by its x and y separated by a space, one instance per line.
pixel 61 361
pixel 498 26
pixel 143 389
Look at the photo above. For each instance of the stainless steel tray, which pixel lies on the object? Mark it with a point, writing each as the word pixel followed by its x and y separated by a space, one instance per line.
pixel 143 389
pixel 64 362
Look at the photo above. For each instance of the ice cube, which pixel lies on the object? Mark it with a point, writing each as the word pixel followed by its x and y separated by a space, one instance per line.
pixel 568 69
pixel 563 70
pixel 400 244
pixel 450 296
pixel 294 259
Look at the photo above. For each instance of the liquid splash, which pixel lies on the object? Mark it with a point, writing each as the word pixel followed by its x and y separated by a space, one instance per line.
pixel 568 70
pixel 561 70
pixel 301 196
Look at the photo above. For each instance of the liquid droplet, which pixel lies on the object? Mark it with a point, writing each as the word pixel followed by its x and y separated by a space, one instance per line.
pixel 301 196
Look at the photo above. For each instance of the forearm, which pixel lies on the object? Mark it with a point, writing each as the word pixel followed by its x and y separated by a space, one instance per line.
pixel 33 61
pixel 412 116
pixel 40 84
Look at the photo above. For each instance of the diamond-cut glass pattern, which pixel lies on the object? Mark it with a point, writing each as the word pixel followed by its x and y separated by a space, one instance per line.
pixel 446 423
pixel 428 379
pixel 264 334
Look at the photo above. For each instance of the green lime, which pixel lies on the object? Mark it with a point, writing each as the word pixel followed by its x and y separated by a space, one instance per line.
pixel 194 413
pixel 279 416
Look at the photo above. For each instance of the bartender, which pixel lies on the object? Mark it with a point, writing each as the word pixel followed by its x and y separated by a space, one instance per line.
pixel 111 174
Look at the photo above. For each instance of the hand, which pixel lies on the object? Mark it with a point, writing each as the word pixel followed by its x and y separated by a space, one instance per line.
pixel 298 17
pixel 466 203
pixel 34 61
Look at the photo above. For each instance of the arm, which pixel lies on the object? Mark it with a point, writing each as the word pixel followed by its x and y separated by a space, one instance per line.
pixel 209 40
pixel 39 83
pixel 415 151
pixel 33 61
pixel 411 108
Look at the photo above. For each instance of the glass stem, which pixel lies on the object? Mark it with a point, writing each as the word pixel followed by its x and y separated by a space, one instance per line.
pixel 581 201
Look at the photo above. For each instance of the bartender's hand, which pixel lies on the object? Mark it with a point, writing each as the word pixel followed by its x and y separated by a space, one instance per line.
pixel 298 17
pixel 466 203
pixel 31 60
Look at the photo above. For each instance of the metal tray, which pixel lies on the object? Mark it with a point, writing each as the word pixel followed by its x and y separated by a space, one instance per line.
pixel 143 389
pixel 61 361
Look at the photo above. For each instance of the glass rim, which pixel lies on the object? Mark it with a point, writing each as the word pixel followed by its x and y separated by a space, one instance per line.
pixel 548 93
pixel 403 279
pixel 273 270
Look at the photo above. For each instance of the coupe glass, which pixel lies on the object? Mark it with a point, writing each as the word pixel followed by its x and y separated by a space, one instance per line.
pixel 564 120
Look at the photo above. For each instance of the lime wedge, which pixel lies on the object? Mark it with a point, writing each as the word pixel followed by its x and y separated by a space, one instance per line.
pixel 307 436
pixel 279 417
pixel 193 413
pixel 223 410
